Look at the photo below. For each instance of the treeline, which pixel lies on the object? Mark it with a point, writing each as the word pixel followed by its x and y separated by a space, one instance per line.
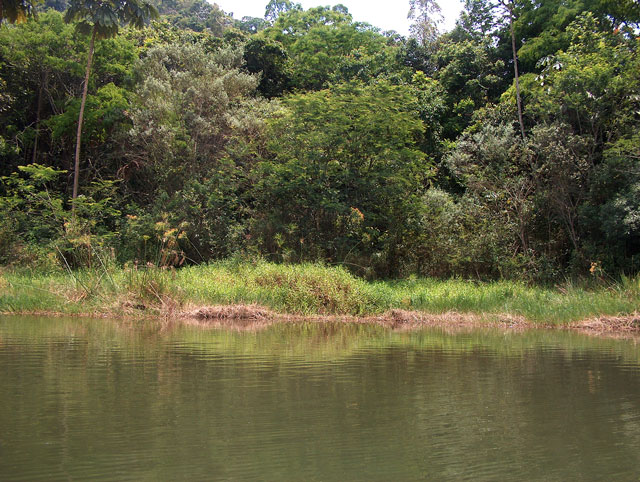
pixel 308 136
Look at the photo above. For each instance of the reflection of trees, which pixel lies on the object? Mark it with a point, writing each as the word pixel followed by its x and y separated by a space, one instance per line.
pixel 345 401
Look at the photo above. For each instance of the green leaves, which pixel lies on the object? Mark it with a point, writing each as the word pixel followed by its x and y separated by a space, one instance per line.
pixel 40 174
pixel 591 85
pixel 321 43
pixel 106 16
pixel 105 111
pixel 32 203
pixel 343 150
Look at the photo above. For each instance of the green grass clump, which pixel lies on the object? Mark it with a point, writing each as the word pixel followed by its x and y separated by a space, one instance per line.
pixel 305 289
pixel 562 304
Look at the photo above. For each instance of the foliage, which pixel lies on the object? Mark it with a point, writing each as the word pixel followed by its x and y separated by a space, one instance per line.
pixel 38 71
pixel 462 237
pixel 309 136
pixel 319 40
pixel 105 116
pixel 471 76
pixel 344 175
pixel 426 15
pixel 191 109
pixel 101 19
pixel 611 212
pixel 270 59
pixel 34 216
pixel 592 85
pixel 105 16
pixel 546 28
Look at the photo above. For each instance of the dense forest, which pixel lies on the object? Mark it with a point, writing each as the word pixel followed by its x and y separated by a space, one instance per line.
pixel 508 147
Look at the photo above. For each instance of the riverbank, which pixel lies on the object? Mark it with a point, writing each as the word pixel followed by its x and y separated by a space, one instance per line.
pixel 261 290
pixel 252 317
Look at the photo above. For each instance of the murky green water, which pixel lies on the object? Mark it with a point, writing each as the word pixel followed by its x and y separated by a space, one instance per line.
pixel 100 399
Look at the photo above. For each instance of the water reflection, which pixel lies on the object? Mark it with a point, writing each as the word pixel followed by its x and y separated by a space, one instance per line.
pixel 102 399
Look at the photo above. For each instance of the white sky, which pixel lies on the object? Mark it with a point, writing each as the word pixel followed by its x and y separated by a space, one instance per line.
pixel 385 14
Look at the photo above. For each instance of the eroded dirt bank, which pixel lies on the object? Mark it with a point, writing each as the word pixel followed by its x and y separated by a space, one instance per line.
pixel 399 319
pixel 254 316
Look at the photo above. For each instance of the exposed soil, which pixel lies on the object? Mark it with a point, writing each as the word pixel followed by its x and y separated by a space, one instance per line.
pixel 610 325
pixel 404 319
pixel 229 312
pixel 245 317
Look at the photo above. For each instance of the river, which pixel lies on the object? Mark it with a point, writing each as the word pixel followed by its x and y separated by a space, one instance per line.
pixel 105 399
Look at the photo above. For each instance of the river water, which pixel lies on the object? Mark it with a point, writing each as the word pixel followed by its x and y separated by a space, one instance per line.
pixel 101 399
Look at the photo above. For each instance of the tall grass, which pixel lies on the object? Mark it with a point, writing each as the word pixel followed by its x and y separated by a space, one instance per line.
pixel 302 289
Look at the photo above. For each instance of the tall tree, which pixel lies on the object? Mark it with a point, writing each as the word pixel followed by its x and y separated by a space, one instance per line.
pixel 343 175
pixel 488 16
pixel 102 19
pixel 320 41
pixel 509 7
pixel 541 26
pixel 426 15
pixel 477 19
pixel 276 7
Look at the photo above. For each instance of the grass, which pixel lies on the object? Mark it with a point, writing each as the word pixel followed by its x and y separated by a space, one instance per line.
pixel 305 289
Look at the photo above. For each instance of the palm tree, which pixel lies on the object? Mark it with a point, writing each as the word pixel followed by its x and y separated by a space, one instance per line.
pixel 102 19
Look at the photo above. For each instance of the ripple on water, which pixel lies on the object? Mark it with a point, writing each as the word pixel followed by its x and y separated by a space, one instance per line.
pixel 95 400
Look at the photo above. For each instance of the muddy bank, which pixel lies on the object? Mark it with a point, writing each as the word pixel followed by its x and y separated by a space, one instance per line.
pixel 610 325
pixel 404 319
pixel 254 317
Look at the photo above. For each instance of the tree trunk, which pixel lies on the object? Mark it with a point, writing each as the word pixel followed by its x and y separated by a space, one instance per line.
pixel 515 68
pixel 76 171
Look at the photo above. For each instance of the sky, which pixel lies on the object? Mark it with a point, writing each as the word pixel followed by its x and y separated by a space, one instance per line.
pixel 385 14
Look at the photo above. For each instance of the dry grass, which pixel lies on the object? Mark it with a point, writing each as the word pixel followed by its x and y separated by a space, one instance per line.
pixel 610 324
pixel 453 319
pixel 211 315
pixel 230 312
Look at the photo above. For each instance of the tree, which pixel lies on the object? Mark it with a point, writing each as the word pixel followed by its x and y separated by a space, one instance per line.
pixel 270 59
pixel 16 11
pixel 477 19
pixel 611 215
pixel 592 86
pixel 471 76
pixel 542 27
pixel 319 40
pixel 196 122
pixel 252 24
pixel 509 7
pixel 41 72
pixel 38 71
pixel 479 15
pixel 494 167
pixel 190 106
pixel 101 19
pixel 426 15
pixel 342 177
pixel 276 7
